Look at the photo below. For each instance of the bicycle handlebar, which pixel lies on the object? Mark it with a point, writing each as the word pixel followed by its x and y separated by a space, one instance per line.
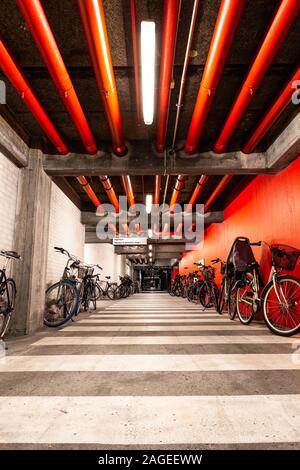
pixel 257 243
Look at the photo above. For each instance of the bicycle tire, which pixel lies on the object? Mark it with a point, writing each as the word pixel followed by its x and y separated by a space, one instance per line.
pixel 73 309
pixel 202 293
pixel 244 319
pixel 266 294
pixel 221 299
pixel 111 293
pixel 6 316
pixel 232 303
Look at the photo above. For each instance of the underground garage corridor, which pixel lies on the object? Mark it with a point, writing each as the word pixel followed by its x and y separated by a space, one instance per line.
pixel 150 230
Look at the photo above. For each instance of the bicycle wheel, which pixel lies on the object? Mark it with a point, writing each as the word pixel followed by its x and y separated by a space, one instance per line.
pixel 214 294
pixel 245 306
pixel 111 293
pixel 221 299
pixel 281 309
pixel 61 304
pixel 204 296
pixel 232 303
pixel 7 303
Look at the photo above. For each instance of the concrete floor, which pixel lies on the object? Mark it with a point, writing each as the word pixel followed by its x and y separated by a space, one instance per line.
pixel 151 371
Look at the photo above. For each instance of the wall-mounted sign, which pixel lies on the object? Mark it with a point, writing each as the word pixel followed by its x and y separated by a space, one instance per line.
pixel 129 241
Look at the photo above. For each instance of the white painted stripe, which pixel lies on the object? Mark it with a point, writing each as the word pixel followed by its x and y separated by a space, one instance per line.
pixel 145 328
pixel 153 320
pixel 153 362
pixel 146 315
pixel 111 340
pixel 134 420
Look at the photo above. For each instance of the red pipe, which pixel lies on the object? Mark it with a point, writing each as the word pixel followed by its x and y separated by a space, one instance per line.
pixel 128 189
pixel 221 186
pixel 179 185
pixel 17 78
pixel 198 189
pixel 169 27
pixel 38 24
pixel 286 13
pixel 227 21
pixel 272 114
pixel 108 187
pixel 89 191
pixel 157 189
pixel 93 20
pixel 135 60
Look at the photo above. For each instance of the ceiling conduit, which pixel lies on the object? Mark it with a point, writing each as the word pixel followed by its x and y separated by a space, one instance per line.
pixel 17 78
pixel 194 197
pixel 93 20
pixel 220 187
pixel 38 24
pixel 226 24
pixel 284 17
pixel 272 114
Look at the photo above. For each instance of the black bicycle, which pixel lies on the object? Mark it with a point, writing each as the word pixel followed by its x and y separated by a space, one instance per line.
pixel 8 292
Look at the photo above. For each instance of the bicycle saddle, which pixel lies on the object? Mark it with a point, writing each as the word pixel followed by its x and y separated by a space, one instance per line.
pixel 11 254
pixel 107 277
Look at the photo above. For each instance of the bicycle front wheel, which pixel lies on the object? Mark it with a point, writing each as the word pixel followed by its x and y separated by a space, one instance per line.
pixel 61 304
pixel 281 306
pixel 7 304
pixel 245 303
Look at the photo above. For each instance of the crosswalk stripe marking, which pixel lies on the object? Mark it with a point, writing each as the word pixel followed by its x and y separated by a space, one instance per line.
pixel 151 362
pixel 220 328
pixel 152 320
pixel 84 340
pixel 134 420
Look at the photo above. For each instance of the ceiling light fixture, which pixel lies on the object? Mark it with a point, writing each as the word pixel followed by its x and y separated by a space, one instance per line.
pixel 148 69
pixel 148 203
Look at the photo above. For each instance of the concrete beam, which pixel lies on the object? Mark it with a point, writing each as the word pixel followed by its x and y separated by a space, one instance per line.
pixel 142 160
pixel 12 146
pixel 91 219
pixel 286 147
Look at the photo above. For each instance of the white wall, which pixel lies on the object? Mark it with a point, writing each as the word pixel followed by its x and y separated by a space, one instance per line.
pixel 65 230
pixel 103 254
pixel 10 181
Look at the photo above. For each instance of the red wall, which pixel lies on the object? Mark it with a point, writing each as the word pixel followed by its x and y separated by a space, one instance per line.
pixel 268 209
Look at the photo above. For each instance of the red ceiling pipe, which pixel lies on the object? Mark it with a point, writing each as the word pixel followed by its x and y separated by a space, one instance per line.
pixel 93 20
pixel 227 21
pixel 157 189
pixel 89 191
pixel 272 114
pixel 108 187
pixel 38 24
pixel 169 27
pixel 284 17
pixel 198 189
pixel 128 189
pixel 135 61
pixel 15 75
pixel 179 185
pixel 220 187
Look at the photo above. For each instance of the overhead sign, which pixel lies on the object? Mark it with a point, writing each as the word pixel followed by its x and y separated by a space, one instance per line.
pixel 129 241
pixel 131 250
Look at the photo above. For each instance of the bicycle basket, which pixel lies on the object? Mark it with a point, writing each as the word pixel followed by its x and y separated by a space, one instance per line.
pixel 82 271
pixel 90 271
pixel 284 257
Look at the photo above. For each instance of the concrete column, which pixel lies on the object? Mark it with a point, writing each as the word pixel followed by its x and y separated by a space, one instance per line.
pixel 31 241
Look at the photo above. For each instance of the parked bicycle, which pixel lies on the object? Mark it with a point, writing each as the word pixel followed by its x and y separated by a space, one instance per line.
pixel 279 298
pixel 8 291
pixel 209 291
pixel 62 298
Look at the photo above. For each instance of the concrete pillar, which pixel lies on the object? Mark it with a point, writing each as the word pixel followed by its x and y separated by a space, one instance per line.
pixel 31 241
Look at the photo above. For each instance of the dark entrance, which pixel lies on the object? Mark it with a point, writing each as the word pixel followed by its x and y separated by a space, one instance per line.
pixel 153 278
